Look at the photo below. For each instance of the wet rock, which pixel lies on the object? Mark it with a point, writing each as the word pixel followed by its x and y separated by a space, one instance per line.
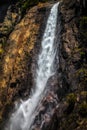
pixel 19 59
pixel 46 108
pixel 67 116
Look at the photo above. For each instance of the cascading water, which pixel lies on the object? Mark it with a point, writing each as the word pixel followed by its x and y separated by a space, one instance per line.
pixel 24 116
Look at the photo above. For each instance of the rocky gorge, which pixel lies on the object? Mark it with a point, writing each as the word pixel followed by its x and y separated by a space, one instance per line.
pixel 20 42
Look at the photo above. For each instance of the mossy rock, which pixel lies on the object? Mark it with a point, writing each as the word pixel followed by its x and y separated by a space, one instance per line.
pixel 83 109
pixel 70 99
pixel 83 27
pixel 1 49
pixel 82 73
pixel 83 21
pixel 70 122
pixel 29 3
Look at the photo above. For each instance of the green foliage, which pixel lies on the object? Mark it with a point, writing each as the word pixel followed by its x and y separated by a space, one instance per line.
pixel 83 109
pixel 29 3
pixel 26 4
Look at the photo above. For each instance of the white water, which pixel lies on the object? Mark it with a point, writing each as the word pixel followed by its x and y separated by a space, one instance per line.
pixel 24 116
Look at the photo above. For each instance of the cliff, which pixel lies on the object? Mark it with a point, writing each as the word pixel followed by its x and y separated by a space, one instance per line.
pixel 72 110
pixel 19 50
pixel 21 32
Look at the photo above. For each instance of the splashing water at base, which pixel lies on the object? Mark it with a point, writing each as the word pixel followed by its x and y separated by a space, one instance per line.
pixel 24 116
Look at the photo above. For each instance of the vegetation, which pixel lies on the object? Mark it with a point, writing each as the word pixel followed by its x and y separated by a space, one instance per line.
pixel 83 109
pixel 82 74
pixel 71 99
pixel 26 4
pixel 1 49
pixel 76 111
pixel 83 27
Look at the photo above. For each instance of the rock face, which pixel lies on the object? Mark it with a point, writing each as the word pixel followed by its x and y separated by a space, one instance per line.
pixel 64 106
pixel 18 64
pixel 10 15
pixel 72 92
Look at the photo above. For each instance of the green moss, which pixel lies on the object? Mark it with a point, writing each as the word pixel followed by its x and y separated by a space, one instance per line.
pixel 29 3
pixel 70 122
pixel 84 93
pixel 83 109
pixel 71 99
pixel 83 21
pixel 82 53
pixel 1 49
pixel 24 5
pixel 82 73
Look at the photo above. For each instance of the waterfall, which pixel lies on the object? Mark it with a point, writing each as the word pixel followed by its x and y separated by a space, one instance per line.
pixel 24 116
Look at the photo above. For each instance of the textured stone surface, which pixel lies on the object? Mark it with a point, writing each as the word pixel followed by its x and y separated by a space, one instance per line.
pixel 64 106
pixel 71 113
pixel 19 60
